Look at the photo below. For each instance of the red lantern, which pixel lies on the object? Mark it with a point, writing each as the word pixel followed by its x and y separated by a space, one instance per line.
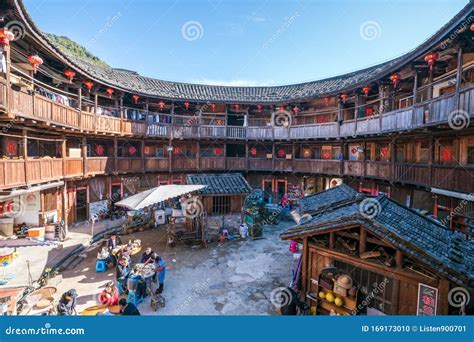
pixel 259 107
pixel 135 98
pixel 35 62
pixel 326 101
pixel 69 74
pixel 384 152
pixel 253 151
pixel 12 148
pixel 327 155
pixel 218 151
pixel 296 109
pixel 395 78
pixel 161 104
pixel 99 150
pixel 431 59
pixel 89 85
pixel 176 150
pixel 366 90
pixel 237 107
pixel 5 37
pixel 186 105
pixel 110 91
pixel 344 98
pixel 213 107
pixel 146 150
pixel 281 153
pixel 132 150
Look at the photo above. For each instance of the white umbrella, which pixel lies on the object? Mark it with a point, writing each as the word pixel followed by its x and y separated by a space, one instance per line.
pixel 157 195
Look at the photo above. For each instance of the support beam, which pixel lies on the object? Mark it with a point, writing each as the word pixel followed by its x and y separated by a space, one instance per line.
pixel 362 241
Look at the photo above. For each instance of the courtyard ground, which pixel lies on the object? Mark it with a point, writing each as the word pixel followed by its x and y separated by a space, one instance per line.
pixel 230 278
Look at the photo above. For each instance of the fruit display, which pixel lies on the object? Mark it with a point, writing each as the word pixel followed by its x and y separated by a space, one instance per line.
pixel 338 301
pixel 330 297
pixel 322 294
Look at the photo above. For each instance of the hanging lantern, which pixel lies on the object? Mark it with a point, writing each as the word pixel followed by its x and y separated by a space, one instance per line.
pixel 259 107
pixel 186 105
pixel 176 150
pixel 253 151
pixel 99 150
pixel 6 36
pixel 384 152
pixel 327 154
pixel 218 151
pixel 161 104
pixel 213 107
pixel 431 59
pixel 12 148
pixel 135 98
pixel 281 153
pixel 132 150
pixel 89 85
pixel 296 109
pixel 344 98
pixel 237 107
pixel 326 101
pixel 146 149
pixel 69 74
pixel 366 90
pixel 395 78
pixel 35 62
pixel 110 91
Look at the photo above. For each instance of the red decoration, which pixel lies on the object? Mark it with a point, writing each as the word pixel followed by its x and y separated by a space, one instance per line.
pixel 237 107
pixel 110 91
pixel 259 107
pixel 12 148
pixel 135 98
pixel 327 154
pixel 253 151
pixel 281 153
pixel 353 150
pixel 146 150
pixel 343 98
pixel 366 90
pixel 213 107
pixel 447 153
pixel 89 85
pixel 99 149
pixel 35 62
pixel 132 150
pixel 472 27
pixel 395 78
pixel 5 37
pixel 326 101
pixel 186 105
pixel 176 150
pixel 69 74
pixel 431 59
pixel 384 151
pixel 369 111
pixel 218 151
pixel 161 104
pixel 296 109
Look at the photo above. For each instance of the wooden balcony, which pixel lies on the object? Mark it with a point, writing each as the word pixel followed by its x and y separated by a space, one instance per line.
pixel 157 164
pixel 457 178
pixel 233 164
pixel 208 163
pixel 440 108
pixel 74 167
pixel 466 100
pixel 107 124
pixel 354 168
pixel 212 132
pixel 283 165
pixel 382 170
pixel 136 128
pixel 129 165
pixel 263 164
pixel 317 166
pixel 323 130
pixel 412 173
pixel 12 173
pixel 43 169
pixel 185 164
pixel 262 133
pixel 158 130
pixel 21 104
pixel 3 94
pixel 87 121
pixel 236 132
pixel 99 165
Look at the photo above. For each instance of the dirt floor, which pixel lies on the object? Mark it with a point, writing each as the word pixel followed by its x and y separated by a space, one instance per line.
pixel 230 278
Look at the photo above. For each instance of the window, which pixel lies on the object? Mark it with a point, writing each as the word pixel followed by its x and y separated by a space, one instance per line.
pixel 423 152
pixel 446 153
pixel 221 205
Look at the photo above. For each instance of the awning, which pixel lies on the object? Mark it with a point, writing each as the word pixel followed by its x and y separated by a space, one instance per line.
pixel 37 188
pixel 157 195
pixel 460 195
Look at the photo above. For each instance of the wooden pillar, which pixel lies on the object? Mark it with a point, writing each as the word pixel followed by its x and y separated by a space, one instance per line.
pixel 65 212
pixel 79 106
pixel 415 86
pixel 84 155
pixel 393 155
pixel 95 113
pixel 398 259
pixel 115 154
pixel 24 154
pixel 458 77
pixel 304 266
pixel 6 51
pixel 143 154
pixel 198 155
pixel 63 154
pixel 362 241
pixel 332 240
pixel 443 304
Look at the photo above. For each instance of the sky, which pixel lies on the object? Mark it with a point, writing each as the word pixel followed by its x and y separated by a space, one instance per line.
pixel 244 42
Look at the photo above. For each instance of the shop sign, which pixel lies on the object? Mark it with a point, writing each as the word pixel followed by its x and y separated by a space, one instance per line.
pixel 427 300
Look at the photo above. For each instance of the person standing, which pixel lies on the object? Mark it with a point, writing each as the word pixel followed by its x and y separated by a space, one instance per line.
pixel 160 269
pixel 113 243
pixel 146 256
pixel 121 274
pixel 67 303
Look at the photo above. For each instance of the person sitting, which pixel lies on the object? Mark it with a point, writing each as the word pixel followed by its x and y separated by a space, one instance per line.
pixel 294 304
pixel 127 308
pixel 160 272
pixel 109 296
pixel 136 283
pixel 103 254
pixel 67 303
pixel 122 271
pixel 146 256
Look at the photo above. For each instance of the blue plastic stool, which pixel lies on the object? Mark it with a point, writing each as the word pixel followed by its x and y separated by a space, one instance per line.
pixel 132 297
pixel 100 266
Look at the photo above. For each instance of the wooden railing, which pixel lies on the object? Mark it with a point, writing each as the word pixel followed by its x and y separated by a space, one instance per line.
pixel 260 164
pixel 107 124
pixel 354 168
pixel 157 164
pixel 158 130
pixel 208 163
pixel 412 173
pixel 262 133
pixel 74 167
pixel 236 132
pixel 318 166
pixel 21 104
pixel 283 165
pixel 87 121
pixel 130 165
pixel 381 170
pixel 100 165
pixel 185 164
pixel 43 169
pixel 3 94
pixel 12 173
pixel 236 163
pixel 130 127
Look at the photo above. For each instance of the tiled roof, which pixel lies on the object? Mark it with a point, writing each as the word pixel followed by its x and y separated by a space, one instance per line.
pixel 220 184
pixel 338 194
pixel 135 83
pixel 444 250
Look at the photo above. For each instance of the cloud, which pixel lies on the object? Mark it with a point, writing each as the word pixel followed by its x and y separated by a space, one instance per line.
pixel 255 18
pixel 234 83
